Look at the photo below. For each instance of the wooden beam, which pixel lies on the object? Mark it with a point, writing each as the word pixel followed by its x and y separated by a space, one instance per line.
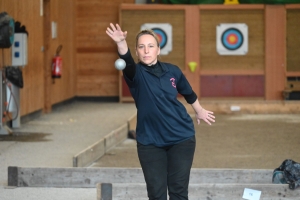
pixel 90 154
pixel 180 7
pixel 89 177
pixel 275 51
pixel 94 152
pixel 232 72
pixel 292 6
pixel 104 191
pixel 96 50
pixel 47 57
pixel 231 7
pixel 210 191
pixel 192 49
pixel 151 7
pixel 292 73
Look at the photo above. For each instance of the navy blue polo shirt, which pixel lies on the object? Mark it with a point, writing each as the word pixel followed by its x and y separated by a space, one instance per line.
pixel 162 120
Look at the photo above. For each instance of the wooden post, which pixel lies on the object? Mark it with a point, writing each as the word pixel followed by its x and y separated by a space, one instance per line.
pixel 192 54
pixel 275 51
pixel 12 176
pixel 104 191
pixel 47 57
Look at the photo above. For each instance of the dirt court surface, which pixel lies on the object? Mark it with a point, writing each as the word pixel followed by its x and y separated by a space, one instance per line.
pixel 242 141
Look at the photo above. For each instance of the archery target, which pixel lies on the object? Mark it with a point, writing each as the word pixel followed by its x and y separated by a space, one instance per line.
pixel 232 39
pixel 164 34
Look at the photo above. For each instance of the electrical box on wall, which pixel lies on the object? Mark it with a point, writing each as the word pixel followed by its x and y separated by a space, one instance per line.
pixel 19 50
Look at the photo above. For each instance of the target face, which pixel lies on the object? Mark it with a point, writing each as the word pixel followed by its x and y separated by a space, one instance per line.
pixel 232 39
pixel 164 34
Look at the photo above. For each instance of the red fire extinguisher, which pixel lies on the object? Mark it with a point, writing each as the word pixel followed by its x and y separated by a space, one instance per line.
pixel 57 64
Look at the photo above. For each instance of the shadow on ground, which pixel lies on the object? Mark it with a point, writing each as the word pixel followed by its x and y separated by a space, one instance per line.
pixel 25 137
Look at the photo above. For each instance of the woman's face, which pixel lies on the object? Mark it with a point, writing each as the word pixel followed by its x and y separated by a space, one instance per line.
pixel 147 49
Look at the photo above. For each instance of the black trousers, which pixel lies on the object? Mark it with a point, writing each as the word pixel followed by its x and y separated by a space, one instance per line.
pixel 167 169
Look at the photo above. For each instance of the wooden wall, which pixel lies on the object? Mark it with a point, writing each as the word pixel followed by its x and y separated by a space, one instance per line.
pixel 174 17
pixel 88 53
pixel 293 40
pixel 31 95
pixel 261 73
pixel 40 92
pixel 211 61
pixel 235 75
pixel 172 14
pixel 63 14
pixel 95 51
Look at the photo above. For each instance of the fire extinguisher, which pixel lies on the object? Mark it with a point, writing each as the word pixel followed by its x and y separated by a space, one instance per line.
pixel 57 63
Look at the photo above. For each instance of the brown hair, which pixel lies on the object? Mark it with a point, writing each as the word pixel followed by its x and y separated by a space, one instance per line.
pixel 146 32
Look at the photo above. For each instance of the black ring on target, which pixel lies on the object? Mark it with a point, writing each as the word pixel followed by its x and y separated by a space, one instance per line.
pixel 161 34
pixel 235 33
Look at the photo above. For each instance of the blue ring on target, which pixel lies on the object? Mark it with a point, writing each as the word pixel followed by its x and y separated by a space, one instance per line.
pixel 237 44
pixel 161 34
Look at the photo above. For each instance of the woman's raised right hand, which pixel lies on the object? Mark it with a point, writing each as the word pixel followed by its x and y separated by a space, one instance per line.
pixel 116 33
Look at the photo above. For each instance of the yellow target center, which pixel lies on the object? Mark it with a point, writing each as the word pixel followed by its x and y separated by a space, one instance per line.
pixel 232 39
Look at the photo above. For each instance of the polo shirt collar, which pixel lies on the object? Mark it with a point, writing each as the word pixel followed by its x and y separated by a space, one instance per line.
pixel 163 66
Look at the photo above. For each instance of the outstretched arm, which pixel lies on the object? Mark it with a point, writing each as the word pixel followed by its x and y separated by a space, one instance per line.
pixel 203 114
pixel 119 37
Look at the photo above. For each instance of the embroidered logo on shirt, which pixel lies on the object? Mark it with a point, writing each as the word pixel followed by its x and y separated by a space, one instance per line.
pixel 173 82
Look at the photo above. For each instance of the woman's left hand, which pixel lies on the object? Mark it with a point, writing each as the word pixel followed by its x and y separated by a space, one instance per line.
pixel 206 116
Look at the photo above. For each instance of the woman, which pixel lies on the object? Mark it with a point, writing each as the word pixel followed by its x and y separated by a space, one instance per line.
pixel 165 132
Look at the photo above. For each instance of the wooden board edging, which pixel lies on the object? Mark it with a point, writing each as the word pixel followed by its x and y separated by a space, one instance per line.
pixel 94 152
pixel 82 177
